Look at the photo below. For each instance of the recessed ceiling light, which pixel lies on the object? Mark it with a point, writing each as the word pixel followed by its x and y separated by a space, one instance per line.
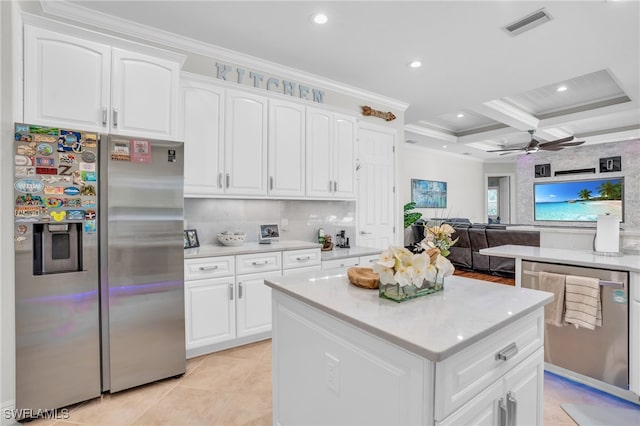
pixel 444 146
pixel 415 64
pixel 460 115
pixel 320 18
pixel 561 88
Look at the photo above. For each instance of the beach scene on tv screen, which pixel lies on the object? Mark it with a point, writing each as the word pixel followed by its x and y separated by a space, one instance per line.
pixel 578 201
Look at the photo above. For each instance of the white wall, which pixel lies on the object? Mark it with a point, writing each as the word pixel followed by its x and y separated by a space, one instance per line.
pixel 464 177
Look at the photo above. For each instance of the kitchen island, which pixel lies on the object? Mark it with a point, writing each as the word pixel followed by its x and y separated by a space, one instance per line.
pixel 342 355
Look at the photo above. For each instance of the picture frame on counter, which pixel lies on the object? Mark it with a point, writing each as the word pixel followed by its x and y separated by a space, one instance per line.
pixel 191 238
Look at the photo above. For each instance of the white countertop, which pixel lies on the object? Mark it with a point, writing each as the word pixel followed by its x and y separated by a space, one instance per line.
pixel 435 326
pixel 343 253
pixel 247 248
pixel 626 262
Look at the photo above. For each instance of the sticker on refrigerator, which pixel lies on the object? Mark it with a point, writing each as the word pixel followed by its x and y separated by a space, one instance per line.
pixel 25 171
pixel 29 150
pixel 58 216
pixel 75 214
pixel 46 162
pixel 87 167
pixel 20 240
pixel 74 202
pixel 89 214
pixel 55 179
pixel 29 200
pixel 68 141
pixel 21 229
pixel 23 160
pixel 28 212
pixel 89 157
pixel 171 155
pixel 67 158
pixel 88 190
pixel 141 151
pixel 90 226
pixel 22 128
pixel 28 185
pixel 71 190
pixel 23 138
pixel 64 170
pixel 44 149
pixel 46 170
pixel 53 190
pixel 44 130
pixel 90 140
pixel 120 151
pixel 54 202
pixel 89 204
pixel 45 138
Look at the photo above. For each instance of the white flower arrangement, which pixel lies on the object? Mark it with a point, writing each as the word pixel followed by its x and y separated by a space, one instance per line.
pixel 399 265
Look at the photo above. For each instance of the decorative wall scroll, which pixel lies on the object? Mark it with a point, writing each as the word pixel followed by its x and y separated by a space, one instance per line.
pixel 387 116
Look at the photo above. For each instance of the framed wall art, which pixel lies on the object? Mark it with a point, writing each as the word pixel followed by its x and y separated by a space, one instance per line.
pixel 191 238
pixel 429 193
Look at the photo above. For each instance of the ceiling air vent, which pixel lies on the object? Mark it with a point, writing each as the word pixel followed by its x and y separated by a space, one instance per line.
pixel 528 22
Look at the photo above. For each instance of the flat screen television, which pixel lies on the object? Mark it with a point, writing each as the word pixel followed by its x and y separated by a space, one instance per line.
pixel 578 200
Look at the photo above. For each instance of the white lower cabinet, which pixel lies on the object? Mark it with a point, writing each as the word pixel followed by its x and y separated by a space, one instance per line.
pixel 226 301
pixel 349 261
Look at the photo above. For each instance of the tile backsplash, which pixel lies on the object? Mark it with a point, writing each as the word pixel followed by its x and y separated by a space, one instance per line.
pixel 212 216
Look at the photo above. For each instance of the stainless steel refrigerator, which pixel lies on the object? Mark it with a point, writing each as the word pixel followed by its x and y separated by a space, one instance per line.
pixel 99 264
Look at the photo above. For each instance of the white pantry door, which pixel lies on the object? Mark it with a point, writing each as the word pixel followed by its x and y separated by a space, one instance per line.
pixel 375 183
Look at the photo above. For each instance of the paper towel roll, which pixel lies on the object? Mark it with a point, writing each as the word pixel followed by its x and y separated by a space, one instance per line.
pixel 608 234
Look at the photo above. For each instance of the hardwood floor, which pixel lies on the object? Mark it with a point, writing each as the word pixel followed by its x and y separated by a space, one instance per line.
pixel 485 277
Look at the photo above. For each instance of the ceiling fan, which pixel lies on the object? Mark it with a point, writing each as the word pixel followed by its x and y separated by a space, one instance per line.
pixel 535 145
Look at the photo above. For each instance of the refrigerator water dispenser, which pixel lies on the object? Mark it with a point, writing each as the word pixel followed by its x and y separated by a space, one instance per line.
pixel 57 248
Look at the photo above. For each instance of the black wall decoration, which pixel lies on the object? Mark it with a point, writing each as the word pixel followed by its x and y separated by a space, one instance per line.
pixel 610 164
pixel 543 170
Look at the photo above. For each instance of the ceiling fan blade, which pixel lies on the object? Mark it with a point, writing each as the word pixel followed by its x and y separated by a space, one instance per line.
pixel 533 143
pixel 513 151
pixel 567 139
pixel 510 149
pixel 552 148
pixel 576 143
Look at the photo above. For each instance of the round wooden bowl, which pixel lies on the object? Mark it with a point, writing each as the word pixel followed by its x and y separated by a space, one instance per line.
pixel 363 277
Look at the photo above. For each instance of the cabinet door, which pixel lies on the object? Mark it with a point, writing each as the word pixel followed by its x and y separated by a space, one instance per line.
pixel 144 95
pixel 319 154
pixel 245 143
pixel 343 164
pixel 286 149
pixel 210 311
pixel 483 409
pixel 203 138
pixel 66 81
pixel 523 387
pixel 254 303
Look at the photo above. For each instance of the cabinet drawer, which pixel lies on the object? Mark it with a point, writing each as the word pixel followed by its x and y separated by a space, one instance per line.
pixel 462 376
pixel 340 263
pixel 208 267
pixel 300 258
pixel 368 260
pixel 258 262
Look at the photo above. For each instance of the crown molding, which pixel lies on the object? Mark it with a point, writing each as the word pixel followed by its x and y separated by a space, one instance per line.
pixel 436 134
pixel 66 10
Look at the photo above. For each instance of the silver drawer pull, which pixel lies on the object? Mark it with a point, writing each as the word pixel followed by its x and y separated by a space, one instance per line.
pixel 507 352
pixel 264 262
pixel 208 268
pixel 303 258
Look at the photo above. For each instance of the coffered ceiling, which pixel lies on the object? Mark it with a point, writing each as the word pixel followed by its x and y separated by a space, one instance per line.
pixel 479 87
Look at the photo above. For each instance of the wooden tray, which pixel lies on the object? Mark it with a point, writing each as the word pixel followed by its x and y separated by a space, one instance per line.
pixel 363 277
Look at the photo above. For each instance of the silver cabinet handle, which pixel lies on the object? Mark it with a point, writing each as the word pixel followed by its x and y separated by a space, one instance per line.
pixel 239 290
pixel 507 352
pixel 330 186
pixel 512 409
pixel 228 177
pixel 115 118
pixel 502 413
pixel 264 262
pixel 335 186
pixel 219 180
pixel 230 291
pixel 303 258
pixel 270 182
pixel 372 260
pixel 208 268
pixel 104 116
pixel 365 233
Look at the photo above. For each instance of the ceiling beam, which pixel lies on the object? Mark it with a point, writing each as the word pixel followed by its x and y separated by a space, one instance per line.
pixel 508 114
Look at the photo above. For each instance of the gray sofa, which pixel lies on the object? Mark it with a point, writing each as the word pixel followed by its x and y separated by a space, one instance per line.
pixel 473 237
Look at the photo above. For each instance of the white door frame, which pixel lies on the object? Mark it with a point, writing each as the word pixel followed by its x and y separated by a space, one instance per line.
pixel 512 194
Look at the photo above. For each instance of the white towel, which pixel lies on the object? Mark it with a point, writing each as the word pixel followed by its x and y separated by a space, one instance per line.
pixel 582 302
pixel 553 283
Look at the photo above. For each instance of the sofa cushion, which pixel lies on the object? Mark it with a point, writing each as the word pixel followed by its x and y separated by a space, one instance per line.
pixel 499 237
pixel 461 251
pixel 478 241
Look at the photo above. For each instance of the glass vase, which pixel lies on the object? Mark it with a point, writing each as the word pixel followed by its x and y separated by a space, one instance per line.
pixel 399 293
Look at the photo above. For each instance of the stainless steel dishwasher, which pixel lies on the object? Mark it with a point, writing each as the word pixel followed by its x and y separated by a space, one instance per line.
pixel 597 357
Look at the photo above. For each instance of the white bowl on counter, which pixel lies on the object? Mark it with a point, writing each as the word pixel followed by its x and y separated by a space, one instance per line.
pixel 232 238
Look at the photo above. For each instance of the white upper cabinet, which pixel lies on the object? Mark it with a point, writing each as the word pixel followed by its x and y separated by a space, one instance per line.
pixel 66 81
pixel 203 108
pixel 330 145
pixel 144 95
pixel 245 143
pixel 72 82
pixel 286 149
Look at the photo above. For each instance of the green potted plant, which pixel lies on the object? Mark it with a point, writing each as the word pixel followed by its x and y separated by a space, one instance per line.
pixel 410 217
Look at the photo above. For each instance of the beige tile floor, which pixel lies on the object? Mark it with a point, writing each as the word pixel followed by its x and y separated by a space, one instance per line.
pixel 233 387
